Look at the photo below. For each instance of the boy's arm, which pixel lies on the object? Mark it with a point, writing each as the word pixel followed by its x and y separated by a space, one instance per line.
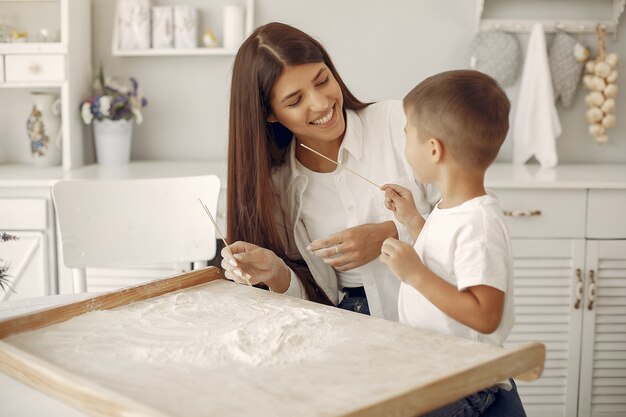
pixel 400 200
pixel 479 307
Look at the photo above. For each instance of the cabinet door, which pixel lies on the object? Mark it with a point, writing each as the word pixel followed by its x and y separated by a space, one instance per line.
pixel 603 363
pixel 27 261
pixel 545 286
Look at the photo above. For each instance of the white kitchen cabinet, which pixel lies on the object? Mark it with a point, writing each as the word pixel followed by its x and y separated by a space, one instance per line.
pixel 28 214
pixel 571 295
pixel 603 365
pixel 27 262
pixel 545 287
pixel 568 233
pixel 62 66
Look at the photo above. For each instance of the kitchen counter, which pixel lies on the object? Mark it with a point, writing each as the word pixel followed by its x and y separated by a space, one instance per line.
pixel 507 175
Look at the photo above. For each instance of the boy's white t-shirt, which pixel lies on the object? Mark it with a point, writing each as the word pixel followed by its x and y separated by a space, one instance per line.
pixel 466 245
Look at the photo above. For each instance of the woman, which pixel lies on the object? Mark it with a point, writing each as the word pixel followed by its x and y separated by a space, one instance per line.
pixel 301 225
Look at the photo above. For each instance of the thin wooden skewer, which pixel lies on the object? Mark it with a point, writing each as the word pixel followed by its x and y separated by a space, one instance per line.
pixel 219 232
pixel 340 165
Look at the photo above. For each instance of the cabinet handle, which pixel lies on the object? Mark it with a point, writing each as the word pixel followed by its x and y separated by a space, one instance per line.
pixel 579 288
pixel 521 213
pixel 592 289
pixel 34 67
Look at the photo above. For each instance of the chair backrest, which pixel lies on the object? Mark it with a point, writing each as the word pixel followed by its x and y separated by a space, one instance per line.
pixel 109 223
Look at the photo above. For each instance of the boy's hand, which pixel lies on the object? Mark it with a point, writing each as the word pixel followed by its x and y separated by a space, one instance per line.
pixel 402 259
pixel 400 200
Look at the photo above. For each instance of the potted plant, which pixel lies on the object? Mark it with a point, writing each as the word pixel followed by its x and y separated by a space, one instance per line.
pixel 113 107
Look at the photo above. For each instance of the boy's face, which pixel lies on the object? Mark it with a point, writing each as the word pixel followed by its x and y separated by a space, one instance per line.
pixel 417 151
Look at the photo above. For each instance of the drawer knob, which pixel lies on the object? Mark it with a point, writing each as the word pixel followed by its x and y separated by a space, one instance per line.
pixel 34 67
pixel 521 213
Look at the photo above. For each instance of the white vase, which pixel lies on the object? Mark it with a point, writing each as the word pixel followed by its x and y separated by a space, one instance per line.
pixel 44 129
pixel 113 139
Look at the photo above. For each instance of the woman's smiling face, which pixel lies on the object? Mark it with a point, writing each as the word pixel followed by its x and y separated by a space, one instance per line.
pixel 307 100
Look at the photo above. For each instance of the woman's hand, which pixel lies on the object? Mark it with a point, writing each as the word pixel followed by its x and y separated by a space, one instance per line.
pixel 253 263
pixel 400 201
pixel 402 259
pixel 353 247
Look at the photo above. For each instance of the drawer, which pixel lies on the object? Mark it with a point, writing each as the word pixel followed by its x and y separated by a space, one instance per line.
pixel 34 68
pixel 1 69
pixel 535 213
pixel 606 214
pixel 23 214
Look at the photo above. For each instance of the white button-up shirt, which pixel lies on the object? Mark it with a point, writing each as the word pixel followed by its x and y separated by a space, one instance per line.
pixel 373 146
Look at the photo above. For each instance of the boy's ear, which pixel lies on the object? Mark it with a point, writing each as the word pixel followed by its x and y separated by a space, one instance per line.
pixel 271 118
pixel 435 150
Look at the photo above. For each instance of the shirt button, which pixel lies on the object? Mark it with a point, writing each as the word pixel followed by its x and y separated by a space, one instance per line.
pixel 350 208
pixel 377 309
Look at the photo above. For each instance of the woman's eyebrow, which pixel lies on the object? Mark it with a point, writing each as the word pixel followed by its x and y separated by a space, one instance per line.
pixel 319 73
pixel 288 96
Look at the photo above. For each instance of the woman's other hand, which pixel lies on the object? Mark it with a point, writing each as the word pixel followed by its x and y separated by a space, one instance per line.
pixel 353 247
pixel 400 200
pixel 253 263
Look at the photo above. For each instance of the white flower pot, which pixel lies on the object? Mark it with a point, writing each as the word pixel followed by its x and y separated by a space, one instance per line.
pixel 113 139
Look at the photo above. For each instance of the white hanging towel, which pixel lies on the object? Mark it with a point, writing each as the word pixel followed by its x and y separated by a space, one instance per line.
pixel 536 125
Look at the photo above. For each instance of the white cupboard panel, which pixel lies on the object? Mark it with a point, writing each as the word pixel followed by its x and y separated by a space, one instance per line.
pixel 605 214
pixel 1 69
pixel 603 365
pixel 543 213
pixel 34 68
pixel 23 214
pixel 545 290
pixel 27 262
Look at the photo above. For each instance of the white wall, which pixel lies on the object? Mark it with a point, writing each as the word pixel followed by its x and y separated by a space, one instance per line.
pixel 381 48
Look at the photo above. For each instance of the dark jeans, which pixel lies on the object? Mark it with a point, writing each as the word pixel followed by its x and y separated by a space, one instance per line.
pixel 355 300
pixel 492 402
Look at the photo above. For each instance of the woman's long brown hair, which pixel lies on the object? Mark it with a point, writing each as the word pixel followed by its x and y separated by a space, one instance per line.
pixel 256 146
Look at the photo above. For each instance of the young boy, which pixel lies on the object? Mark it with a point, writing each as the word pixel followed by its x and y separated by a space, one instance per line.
pixel 457 279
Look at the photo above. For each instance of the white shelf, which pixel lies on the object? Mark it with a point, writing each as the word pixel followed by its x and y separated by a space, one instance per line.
pixel 519 16
pixel 27 175
pixel 71 80
pixel 549 25
pixel 174 52
pixel 32 47
pixel 200 51
pixel 32 84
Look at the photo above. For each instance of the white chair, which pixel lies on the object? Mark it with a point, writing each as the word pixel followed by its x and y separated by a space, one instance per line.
pixel 114 223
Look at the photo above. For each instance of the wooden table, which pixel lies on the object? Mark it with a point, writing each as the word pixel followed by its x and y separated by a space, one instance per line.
pixel 244 352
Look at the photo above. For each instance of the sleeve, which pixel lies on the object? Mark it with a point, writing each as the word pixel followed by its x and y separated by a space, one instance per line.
pixel 295 286
pixel 484 258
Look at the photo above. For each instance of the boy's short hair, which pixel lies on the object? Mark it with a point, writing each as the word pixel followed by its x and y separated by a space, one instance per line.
pixel 467 110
